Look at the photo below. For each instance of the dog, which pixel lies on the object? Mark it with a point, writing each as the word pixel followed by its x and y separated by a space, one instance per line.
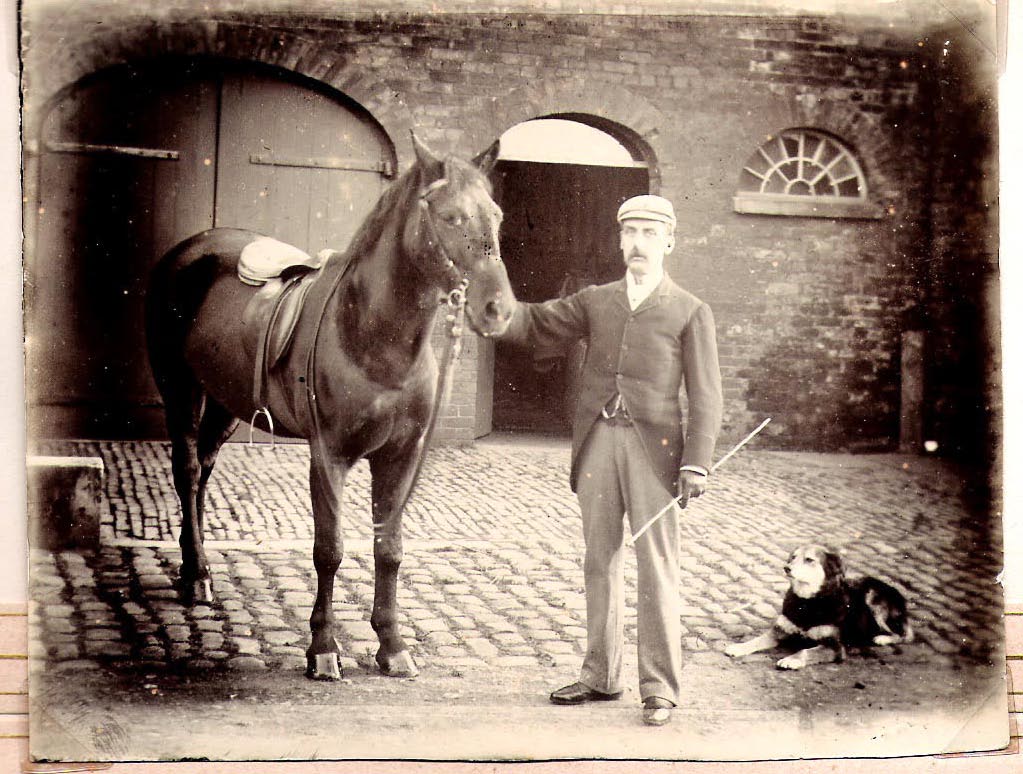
pixel 824 612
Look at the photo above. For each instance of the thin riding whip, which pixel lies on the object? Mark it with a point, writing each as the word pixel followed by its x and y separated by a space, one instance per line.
pixel 631 539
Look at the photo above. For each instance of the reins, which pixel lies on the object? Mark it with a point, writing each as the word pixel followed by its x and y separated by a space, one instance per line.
pixel 452 348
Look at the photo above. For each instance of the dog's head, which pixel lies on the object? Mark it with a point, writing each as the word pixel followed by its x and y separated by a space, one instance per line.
pixel 812 569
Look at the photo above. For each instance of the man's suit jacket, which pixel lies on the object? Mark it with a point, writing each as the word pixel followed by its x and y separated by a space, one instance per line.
pixel 647 356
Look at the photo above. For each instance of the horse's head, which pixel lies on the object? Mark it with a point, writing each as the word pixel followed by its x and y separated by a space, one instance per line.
pixel 461 223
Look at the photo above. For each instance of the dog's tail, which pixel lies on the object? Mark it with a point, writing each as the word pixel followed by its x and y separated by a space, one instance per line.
pixel 889 609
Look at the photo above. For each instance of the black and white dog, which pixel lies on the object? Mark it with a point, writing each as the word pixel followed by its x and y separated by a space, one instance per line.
pixel 824 612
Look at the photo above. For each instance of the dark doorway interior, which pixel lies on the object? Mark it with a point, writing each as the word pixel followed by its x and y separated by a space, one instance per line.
pixel 559 235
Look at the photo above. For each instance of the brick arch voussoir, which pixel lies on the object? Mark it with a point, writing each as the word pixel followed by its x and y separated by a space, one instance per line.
pixel 612 103
pixel 309 57
pixel 327 63
pixel 383 103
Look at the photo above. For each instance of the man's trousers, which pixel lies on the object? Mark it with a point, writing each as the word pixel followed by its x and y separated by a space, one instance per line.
pixel 615 477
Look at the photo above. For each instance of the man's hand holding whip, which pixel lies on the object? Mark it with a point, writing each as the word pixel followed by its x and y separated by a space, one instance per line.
pixel 692 483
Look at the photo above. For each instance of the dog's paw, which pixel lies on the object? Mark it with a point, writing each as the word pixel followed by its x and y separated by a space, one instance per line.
pixel 795 661
pixel 735 649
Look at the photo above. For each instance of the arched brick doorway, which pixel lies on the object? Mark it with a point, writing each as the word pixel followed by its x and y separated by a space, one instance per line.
pixel 133 159
pixel 559 234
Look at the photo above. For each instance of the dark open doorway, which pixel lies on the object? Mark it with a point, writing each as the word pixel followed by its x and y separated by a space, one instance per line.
pixel 559 235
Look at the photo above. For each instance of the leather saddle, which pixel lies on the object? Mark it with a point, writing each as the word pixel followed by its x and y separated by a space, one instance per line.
pixel 265 258
pixel 285 275
pixel 271 317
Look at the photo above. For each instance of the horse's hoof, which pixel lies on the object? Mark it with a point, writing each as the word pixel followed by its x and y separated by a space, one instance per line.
pixel 197 592
pixel 203 593
pixel 323 666
pixel 400 664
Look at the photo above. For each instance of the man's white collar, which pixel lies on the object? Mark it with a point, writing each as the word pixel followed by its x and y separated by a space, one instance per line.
pixel 651 280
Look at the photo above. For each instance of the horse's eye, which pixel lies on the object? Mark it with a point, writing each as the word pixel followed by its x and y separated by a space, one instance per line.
pixel 808 560
pixel 454 219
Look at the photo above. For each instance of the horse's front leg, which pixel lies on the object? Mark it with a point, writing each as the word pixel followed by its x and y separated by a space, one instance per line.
pixel 326 480
pixel 391 477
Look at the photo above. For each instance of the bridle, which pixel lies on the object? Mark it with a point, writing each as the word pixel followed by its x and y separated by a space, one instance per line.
pixel 456 295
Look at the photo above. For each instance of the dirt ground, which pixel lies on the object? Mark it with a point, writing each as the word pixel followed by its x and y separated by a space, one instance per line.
pixel 871 706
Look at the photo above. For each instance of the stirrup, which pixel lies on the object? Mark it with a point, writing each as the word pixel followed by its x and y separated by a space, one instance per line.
pixel 270 426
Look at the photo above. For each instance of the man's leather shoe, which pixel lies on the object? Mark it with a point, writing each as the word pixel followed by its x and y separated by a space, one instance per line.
pixel 577 693
pixel 657 711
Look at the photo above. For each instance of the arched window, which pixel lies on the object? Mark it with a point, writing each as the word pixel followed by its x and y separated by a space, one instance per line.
pixel 804 172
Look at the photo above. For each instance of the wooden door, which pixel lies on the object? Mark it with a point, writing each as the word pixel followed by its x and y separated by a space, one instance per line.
pixel 133 162
pixel 296 164
pixel 126 170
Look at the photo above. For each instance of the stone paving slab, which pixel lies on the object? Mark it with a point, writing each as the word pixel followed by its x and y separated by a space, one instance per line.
pixel 492 573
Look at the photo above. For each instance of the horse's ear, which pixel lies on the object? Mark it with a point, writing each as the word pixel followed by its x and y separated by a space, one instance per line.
pixel 485 161
pixel 424 155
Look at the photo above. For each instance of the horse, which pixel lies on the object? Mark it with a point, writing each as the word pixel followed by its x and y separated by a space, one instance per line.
pixel 358 379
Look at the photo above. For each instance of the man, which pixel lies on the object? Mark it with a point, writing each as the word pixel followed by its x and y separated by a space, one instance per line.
pixel 630 454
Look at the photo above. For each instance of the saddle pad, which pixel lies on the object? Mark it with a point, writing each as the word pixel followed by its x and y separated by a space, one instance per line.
pixel 266 257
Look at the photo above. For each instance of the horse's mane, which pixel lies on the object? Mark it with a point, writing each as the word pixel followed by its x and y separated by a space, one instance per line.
pixel 400 195
pixel 395 196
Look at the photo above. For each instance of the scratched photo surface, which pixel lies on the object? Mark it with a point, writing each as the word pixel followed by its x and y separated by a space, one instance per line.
pixel 832 167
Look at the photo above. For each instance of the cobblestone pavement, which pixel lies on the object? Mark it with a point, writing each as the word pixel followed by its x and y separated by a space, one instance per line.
pixel 492 573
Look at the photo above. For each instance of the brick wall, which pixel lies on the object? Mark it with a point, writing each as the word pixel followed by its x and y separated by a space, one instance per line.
pixel 810 312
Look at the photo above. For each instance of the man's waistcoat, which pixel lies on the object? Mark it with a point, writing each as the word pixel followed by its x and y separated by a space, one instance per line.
pixel 648 356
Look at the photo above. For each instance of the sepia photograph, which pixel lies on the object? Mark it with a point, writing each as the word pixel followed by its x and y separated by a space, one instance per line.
pixel 521 381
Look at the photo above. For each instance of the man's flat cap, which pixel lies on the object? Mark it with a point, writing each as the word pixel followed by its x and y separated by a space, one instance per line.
pixel 647 207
